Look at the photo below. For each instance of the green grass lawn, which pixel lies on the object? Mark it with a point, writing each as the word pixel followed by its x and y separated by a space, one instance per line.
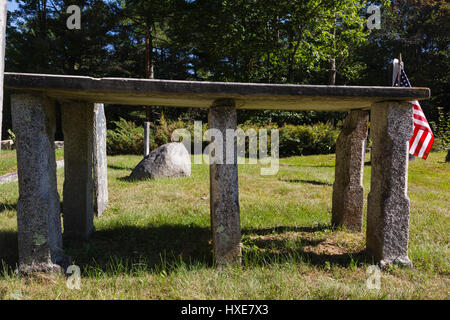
pixel 154 240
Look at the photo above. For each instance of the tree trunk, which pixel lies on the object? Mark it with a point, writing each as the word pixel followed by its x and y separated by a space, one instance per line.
pixel 149 74
pixel 333 71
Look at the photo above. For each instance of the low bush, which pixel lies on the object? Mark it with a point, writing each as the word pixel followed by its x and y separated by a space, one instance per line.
pixel 125 138
pixel 294 140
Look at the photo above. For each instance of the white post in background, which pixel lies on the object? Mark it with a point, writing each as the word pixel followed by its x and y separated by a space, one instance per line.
pixel 3 15
pixel 146 138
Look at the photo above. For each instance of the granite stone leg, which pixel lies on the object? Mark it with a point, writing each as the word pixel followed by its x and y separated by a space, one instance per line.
pixel 78 194
pixel 225 213
pixel 38 208
pixel 388 203
pixel 100 160
pixel 3 12
pixel 348 191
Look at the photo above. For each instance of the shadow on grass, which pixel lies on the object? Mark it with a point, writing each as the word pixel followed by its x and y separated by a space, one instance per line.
pixel 313 182
pixel 127 179
pixel 8 206
pixel 155 246
pixel 123 168
pixel 163 247
pixel 8 249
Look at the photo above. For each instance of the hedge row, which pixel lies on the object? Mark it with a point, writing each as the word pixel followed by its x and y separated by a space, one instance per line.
pixel 127 138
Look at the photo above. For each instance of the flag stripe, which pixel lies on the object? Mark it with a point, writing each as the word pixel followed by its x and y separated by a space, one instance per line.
pixel 413 138
pixel 421 118
pixel 422 124
pixel 418 112
pixel 422 139
pixel 430 144
pixel 425 144
pixel 416 140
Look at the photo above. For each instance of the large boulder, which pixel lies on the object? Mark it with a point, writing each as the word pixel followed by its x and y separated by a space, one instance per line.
pixel 170 160
pixel 7 144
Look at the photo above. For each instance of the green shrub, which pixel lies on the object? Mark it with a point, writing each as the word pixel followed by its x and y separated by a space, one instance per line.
pixel 441 131
pixel 125 138
pixel 12 136
pixel 306 140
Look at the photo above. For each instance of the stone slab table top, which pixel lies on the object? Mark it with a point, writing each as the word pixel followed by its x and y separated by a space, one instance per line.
pixel 202 93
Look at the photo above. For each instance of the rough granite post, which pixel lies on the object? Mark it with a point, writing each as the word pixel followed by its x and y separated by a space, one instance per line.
pixel 348 191
pixel 3 14
pixel 388 203
pixel 38 208
pixel 100 160
pixel 225 213
pixel 78 193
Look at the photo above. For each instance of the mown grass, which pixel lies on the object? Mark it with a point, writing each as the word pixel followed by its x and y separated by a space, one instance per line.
pixel 154 240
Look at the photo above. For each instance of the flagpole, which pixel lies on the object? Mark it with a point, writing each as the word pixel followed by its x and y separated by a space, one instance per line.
pixel 398 66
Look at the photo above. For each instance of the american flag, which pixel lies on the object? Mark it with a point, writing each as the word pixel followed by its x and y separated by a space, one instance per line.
pixel 422 139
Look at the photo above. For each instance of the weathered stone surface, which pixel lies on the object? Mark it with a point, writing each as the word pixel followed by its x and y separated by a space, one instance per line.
pixel 78 206
pixel 100 160
pixel 38 208
pixel 224 188
pixel 11 177
pixel 170 160
pixel 388 203
pixel 348 191
pixel 7 144
pixel 201 94
pixel 3 14
pixel 59 144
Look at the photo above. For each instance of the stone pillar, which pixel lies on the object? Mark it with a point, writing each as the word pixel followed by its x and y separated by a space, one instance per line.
pixel 224 190
pixel 100 160
pixel 388 203
pixel 78 194
pixel 38 208
pixel 348 190
pixel 3 14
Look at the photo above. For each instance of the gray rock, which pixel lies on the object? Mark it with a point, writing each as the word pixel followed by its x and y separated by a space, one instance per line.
pixel 7 145
pixel 170 160
pixel 59 144
pixel 348 191
pixel 388 203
